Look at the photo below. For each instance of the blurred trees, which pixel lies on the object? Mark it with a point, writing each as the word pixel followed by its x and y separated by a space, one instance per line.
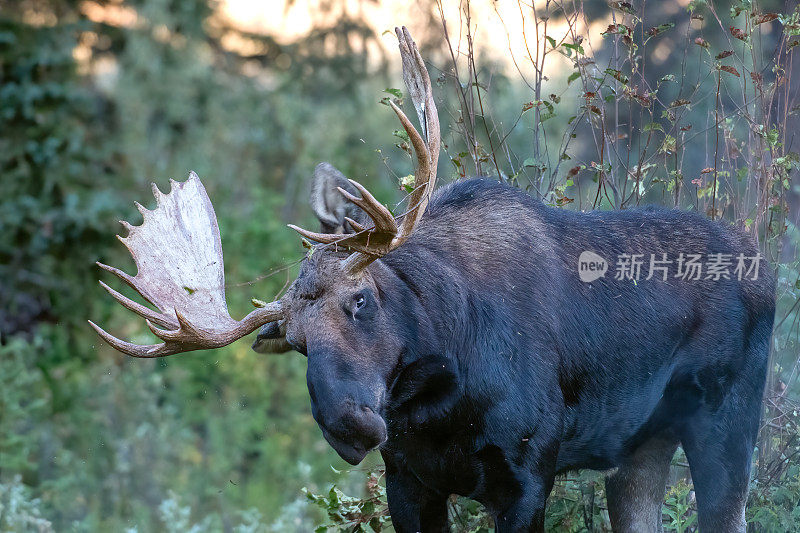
pixel 96 100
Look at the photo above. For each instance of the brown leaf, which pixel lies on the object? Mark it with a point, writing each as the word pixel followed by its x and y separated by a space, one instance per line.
pixel 724 54
pixel 757 77
pixel 617 29
pixel 739 34
pixel 730 70
pixel 707 170
pixel 642 98
pixel 686 128
pixel 699 41
pixel 625 7
pixel 564 200
pixel 765 17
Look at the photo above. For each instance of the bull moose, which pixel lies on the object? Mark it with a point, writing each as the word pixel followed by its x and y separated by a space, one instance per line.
pixel 462 342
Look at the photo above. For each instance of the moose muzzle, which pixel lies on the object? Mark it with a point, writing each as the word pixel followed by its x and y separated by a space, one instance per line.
pixel 347 411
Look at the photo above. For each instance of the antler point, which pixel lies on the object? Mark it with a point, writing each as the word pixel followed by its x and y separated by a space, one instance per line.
pixel 127 226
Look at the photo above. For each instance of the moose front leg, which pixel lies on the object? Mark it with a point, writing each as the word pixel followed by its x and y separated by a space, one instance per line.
pixel 516 485
pixel 526 513
pixel 413 507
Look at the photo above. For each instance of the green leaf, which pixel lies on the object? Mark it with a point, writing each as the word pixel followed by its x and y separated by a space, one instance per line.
pixel 661 28
pixel 572 77
pixel 617 29
pixel 407 184
pixel 617 75
pixel 333 498
pixel 258 303
pixel 397 93
pixel 653 126
pixel 576 47
pixel 741 173
pixel 551 41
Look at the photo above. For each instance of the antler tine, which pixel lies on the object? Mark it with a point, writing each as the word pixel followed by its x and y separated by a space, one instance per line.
pixel 355 225
pixel 134 350
pixel 383 218
pixel 375 241
pixel 418 82
pixel 324 238
pixel 139 309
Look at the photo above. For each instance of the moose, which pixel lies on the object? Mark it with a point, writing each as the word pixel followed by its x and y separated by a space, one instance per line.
pixel 460 340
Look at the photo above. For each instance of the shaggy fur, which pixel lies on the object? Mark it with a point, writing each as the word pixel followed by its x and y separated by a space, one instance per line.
pixel 481 364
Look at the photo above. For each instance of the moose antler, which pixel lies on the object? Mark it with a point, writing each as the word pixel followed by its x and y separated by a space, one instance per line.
pixel 178 256
pixel 369 244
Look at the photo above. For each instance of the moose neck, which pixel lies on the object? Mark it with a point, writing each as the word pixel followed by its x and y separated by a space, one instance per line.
pixel 437 307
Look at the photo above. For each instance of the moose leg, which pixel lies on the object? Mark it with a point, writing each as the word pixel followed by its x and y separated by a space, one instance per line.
pixel 526 513
pixel 719 460
pixel 635 491
pixel 720 436
pixel 413 507
pixel 719 446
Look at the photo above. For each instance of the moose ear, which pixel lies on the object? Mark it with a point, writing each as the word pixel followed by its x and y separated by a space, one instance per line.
pixel 328 203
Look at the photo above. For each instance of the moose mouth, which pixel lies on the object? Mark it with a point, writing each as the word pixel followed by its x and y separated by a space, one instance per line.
pixel 352 453
pixel 354 450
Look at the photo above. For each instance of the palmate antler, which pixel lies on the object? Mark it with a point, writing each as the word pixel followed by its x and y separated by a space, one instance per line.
pixel 368 244
pixel 178 252
pixel 178 255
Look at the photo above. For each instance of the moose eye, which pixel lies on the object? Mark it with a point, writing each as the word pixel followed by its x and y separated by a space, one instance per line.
pixel 361 305
pixel 359 301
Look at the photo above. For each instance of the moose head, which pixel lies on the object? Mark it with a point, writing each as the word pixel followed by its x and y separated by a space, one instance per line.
pixel 339 311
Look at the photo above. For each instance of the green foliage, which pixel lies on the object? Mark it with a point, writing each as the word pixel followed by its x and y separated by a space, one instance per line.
pixel 53 152
pixel 20 512
pixel 353 514
pixel 679 508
